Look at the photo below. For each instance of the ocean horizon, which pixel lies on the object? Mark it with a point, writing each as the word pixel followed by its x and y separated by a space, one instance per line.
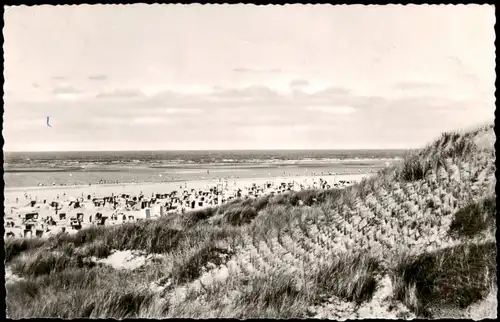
pixel 83 167
pixel 198 155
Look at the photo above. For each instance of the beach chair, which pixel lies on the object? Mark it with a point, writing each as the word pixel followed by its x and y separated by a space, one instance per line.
pixel 76 225
pixel 10 234
pixel 63 229
pixel 79 216
pixel 28 233
pixel 62 216
pixel 39 233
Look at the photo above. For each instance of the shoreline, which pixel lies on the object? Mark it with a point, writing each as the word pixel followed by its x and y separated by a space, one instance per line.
pixel 176 181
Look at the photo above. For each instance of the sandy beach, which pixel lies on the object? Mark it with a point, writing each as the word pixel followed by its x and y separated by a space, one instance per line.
pixel 101 190
pixel 49 220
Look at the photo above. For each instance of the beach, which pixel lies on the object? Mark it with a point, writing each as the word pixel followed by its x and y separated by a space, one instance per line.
pixel 147 188
pixel 45 211
pixel 48 193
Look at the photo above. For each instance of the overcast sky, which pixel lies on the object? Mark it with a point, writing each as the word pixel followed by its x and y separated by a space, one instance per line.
pixel 147 77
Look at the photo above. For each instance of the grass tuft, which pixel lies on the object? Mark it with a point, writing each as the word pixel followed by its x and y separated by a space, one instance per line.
pixel 453 277
pixel 273 296
pixel 474 218
pixel 16 246
pixel 192 268
pixel 42 263
pixel 350 277
pixel 414 168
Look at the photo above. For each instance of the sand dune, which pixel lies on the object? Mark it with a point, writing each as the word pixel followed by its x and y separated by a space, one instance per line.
pixel 370 250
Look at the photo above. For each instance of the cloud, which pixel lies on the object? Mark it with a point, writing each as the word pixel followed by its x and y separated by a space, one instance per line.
pixel 251 70
pixel 58 78
pixel 255 92
pixel 185 110
pixel 339 110
pixel 67 97
pixel 299 83
pixel 150 120
pixel 469 77
pixel 65 89
pixel 411 85
pixel 98 77
pixel 121 93
pixel 330 92
pixel 66 92
pixel 241 70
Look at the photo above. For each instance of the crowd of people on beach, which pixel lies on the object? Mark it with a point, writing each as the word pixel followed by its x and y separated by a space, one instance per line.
pixel 40 216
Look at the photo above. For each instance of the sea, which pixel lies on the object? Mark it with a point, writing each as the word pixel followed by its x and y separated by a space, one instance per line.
pixel 29 169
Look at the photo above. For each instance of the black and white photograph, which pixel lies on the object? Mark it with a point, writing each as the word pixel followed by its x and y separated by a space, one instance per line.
pixel 242 161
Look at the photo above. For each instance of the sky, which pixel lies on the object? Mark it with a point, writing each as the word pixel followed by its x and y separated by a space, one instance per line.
pixel 194 77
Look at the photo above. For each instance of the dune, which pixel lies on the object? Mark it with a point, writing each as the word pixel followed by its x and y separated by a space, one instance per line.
pixel 417 239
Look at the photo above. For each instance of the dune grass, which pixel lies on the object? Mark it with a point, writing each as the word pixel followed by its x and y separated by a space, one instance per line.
pixel 349 277
pixel 274 296
pixel 414 168
pixel 283 294
pixel 192 267
pixel 474 218
pixel 43 262
pixel 79 293
pixel 194 217
pixel 453 277
pixel 15 246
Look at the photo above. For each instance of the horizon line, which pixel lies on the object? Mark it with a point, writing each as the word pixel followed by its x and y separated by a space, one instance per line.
pixel 207 150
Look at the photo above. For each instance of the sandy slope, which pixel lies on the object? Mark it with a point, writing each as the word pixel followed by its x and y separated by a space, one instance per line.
pixel 380 223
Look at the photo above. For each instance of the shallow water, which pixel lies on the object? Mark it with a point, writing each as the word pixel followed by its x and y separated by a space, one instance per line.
pixel 23 169
pixel 139 174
